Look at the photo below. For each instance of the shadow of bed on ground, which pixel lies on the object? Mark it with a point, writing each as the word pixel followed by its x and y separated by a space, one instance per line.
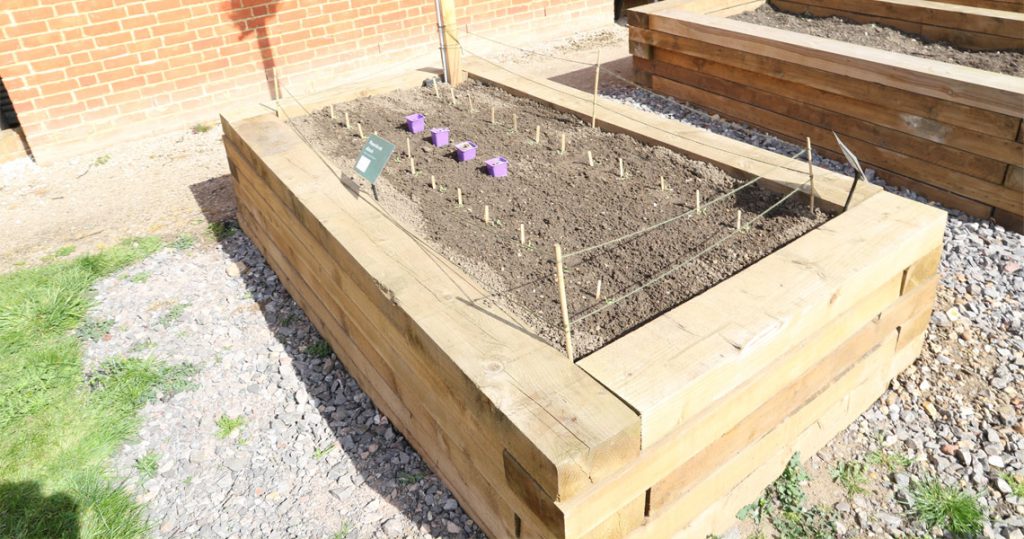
pixel 26 512
pixel 383 459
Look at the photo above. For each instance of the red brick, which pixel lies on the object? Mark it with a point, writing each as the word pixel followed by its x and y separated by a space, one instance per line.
pixel 22 16
pixel 27 29
pixel 100 29
pixel 106 15
pixel 29 55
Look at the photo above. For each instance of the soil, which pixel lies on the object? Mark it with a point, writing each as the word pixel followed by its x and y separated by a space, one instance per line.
pixel 1009 62
pixel 560 199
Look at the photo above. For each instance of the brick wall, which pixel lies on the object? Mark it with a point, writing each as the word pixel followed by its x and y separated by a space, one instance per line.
pixel 87 73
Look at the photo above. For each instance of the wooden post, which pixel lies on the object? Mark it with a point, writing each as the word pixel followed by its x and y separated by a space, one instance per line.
pixel 408 146
pixel 739 219
pixel 559 274
pixel 470 97
pixel 360 126
pixel 515 122
pixel 597 294
pixel 698 201
pixel 492 115
pixel 433 183
pixel 522 234
pixel 458 193
pixel 662 183
pixel 332 113
pixel 563 144
pixel 348 125
pixel 590 157
pixel 412 166
pixel 487 214
pixel 597 80
pixel 622 170
pixel 452 51
pixel 536 136
pixel 810 171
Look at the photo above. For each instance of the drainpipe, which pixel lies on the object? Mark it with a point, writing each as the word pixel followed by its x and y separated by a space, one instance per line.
pixel 444 47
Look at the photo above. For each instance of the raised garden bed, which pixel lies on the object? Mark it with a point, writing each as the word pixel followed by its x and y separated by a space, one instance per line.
pixel 668 429
pixel 950 132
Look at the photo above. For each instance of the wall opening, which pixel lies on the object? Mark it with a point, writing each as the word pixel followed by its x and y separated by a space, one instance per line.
pixel 8 117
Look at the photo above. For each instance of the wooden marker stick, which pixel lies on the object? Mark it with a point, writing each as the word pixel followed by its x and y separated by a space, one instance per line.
pixel 332 113
pixel 515 123
pixel 698 201
pixel 487 214
pixel 348 125
pixel 522 234
pixel 560 276
pixel 451 89
pixel 536 136
pixel 810 171
pixel 622 170
pixel 408 146
pixel 739 219
pixel 412 166
pixel 597 294
pixel 590 158
pixel 492 115
pixel 458 193
pixel 662 183
pixel 470 97
pixel 597 80
pixel 360 126
pixel 437 92
pixel 433 183
pixel 563 144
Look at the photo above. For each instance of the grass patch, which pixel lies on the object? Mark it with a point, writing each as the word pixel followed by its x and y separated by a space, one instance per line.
pixel 183 242
pixel 139 277
pixel 227 425
pixel 890 460
pixel 172 315
pixel 320 349
pixel 949 508
pixel 94 330
pixel 783 504
pixel 201 128
pixel 344 531
pixel 147 466
pixel 322 452
pixel 1016 483
pixel 851 475
pixel 58 430
pixel 102 160
pixel 222 230
pixel 64 251
pixel 405 479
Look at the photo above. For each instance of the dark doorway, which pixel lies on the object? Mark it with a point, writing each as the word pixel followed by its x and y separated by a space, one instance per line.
pixel 8 118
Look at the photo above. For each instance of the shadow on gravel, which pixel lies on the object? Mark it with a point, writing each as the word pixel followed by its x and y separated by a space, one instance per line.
pixel 26 512
pixel 382 458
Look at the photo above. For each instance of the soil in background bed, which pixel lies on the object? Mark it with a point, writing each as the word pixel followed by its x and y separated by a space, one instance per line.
pixel 886 38
pixel 560 199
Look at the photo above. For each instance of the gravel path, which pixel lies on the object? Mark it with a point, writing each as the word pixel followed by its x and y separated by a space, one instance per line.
pixel 312 458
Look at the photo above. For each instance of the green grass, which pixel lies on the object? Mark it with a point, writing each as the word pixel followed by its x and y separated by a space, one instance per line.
pixel 344 531
pixel 890 460
pixel 102 160
pixel 322 452
pixel 946 507
pixel 319 349
pixel 226 425
pixel 222 230
pixel 1016 483
pixel 784 504
pixel 139 277
pixel 64 251
pixel 147 465
pixel 94 330
pixel 60 429
pixel 851 475
pixel 405 479
pixel 183 242
pixel 201 128
pixel 172 315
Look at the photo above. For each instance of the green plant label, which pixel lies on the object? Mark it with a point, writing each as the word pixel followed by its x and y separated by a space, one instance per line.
pixel 374 156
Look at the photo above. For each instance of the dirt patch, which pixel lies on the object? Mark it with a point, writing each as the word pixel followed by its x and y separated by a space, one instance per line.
pixel 560 199
pixel 889 39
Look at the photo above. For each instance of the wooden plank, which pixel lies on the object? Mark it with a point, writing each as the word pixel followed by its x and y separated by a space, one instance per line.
pixel 690 356
pixel 720 515
pixel 805 384
pixel 913 106
pixel 561 425
pixel 658 461
pixel 845 122
pixel 1007 5
pixel 960 25
pixel 780 173
pixel 982 89
pixel 996 148
pixel 992 194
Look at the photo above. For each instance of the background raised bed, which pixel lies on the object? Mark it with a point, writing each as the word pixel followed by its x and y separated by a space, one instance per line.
pixel 949 132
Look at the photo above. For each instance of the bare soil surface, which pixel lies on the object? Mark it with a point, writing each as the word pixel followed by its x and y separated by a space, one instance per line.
pixel 561 199
pixel 883 37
